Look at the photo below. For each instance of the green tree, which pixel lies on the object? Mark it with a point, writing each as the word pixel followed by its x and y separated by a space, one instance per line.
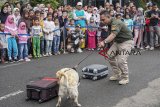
pixel 54 3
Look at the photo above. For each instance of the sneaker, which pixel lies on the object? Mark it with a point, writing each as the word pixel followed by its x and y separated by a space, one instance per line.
pixel 10 61
pixel 157 45
pixel 27 59
pixel 30 56
pixel 114 78
pixel 47 54
pixel 35 56
pixel 89 49
pixel 147 47
pixel 124 81
pixel 44 54
pixel 152 48
pixel 40 56
pixel 72 50
pixel 55 54
pixel 20 60
pixel 16 60
pixel 58 53
pixel 98 49
pixel 92 49
pixel 141 48
pixel 79 50
pixel 50 54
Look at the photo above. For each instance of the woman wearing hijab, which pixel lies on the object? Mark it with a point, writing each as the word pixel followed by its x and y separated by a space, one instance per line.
pixel 139 28
pixel 11 28
pixel 28 21
pixel 4 14
pixel 23 48
pixel 16 15
pixel 91 32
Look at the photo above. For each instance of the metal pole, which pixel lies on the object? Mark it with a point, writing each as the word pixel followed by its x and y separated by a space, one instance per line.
pixel 110 1
pixel 120 2
pixel 65 2
pixel 64 41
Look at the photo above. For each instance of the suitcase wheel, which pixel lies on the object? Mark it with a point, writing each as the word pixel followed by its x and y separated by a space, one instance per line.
pixel 27 99
pixel 94 78
pixel 40 101
pixel 84 76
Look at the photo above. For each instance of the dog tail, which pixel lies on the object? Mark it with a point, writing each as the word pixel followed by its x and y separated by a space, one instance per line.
pixel 65 78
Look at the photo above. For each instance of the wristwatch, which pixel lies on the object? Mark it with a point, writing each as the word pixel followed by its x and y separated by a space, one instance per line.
pixel 105 41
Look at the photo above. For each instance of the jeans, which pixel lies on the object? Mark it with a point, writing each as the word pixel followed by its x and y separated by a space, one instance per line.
pixel 42 46
pixel 48 46
pixel 23 50
pixel 12 45
pixel 56 41
pixel 153 30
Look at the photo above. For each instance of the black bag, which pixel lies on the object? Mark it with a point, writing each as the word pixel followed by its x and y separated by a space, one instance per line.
pixel 95 71
pixel 42 90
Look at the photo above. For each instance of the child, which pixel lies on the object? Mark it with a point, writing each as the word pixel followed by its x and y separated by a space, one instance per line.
pixel 129 22
pixel 138 28
pixel 23 48
pixel 10 27
pixel 49 26
pixel 42 41
pixel 36 33
pixel 77 39
pixel 91 32
pixel 3 43
pixel 56 39
pixel 70 32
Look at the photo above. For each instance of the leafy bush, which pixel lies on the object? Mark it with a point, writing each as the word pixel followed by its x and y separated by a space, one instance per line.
pixel 54 3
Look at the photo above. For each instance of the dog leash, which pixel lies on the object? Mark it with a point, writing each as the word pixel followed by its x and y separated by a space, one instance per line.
pixel 82 60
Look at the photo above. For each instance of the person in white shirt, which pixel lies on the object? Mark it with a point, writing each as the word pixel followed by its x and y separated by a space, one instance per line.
pixel 49 26
pixel 88 14
pixel 96 16
pixel 16 15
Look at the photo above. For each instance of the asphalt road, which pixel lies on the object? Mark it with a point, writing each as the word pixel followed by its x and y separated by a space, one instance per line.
pixel 144 70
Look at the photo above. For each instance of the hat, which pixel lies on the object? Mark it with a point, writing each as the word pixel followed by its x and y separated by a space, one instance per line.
pixel 95 8
pixel 78 26
pixel 79 3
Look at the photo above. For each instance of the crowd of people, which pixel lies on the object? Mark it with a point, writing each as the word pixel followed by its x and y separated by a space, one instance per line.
pixel 31 32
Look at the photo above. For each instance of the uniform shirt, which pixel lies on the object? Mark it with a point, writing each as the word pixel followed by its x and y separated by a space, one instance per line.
pixel 153 21
pixel 120 30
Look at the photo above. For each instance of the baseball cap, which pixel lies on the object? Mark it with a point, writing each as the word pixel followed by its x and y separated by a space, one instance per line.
pixel 95 8
pixel 79 3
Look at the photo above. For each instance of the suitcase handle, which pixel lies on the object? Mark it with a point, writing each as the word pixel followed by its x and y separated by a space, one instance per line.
pixel 34 89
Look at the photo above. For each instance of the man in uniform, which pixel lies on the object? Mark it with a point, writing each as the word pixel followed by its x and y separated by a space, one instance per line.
pixel 122 43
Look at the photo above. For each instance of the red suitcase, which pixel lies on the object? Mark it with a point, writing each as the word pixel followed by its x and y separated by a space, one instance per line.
pixel 42 90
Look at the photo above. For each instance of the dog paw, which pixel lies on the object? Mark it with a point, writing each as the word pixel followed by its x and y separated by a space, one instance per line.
pixel 78 105
pixel 69 97
pixel 58 105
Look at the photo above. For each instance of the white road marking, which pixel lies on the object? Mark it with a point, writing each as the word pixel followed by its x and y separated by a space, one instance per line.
pixel 11 94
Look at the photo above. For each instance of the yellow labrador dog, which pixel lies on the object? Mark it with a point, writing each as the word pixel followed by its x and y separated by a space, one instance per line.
pixel 68 85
